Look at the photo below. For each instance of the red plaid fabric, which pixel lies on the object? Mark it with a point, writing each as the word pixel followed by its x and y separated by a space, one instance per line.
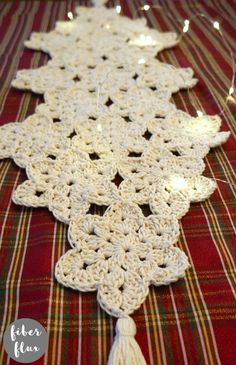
pixel 190 322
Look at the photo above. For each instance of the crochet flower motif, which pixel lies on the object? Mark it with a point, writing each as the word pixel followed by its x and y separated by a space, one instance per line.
pixel 159 77
pixel 120 255
pixel 80 57
pixel 119 31
pixel 142 140
pixel 106 160
pixel 73 183
pixel 68 104
pixel 73 186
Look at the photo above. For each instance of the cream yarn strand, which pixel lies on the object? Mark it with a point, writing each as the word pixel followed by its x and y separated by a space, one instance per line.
pixel 125 349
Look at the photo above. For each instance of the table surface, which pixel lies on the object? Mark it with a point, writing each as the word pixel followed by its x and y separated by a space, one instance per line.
pixel 189 322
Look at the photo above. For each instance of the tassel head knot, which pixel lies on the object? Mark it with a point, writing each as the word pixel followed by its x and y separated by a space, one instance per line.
pixel 125 350
pixel 126 327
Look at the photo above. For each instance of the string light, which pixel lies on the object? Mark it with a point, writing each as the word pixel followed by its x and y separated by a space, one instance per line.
pixel 118 9
pixel 99 127
pixel 143 41
pixel 70 15
pixel 178 182
pixel 186 26
pixel 141 61
pixel 147 40
pixel 146 7
pixel 199 113
pixel 216 25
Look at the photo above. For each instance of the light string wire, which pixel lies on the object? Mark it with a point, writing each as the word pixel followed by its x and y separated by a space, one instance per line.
pixel 185 29
pixel 224 181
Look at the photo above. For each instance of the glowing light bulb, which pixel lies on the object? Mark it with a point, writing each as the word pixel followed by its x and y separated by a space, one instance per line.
pixel 107 26
pixel 99 127
pixel 70 15
pixel 229 96
pixel 186 25
pixel 146 7
pixel 199 113
pixel 118 9
pixel 141 61
pixel 216 25
pixel 178 182
pixel 143 40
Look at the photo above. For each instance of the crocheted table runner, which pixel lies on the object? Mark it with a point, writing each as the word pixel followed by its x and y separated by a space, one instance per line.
pixel 107 138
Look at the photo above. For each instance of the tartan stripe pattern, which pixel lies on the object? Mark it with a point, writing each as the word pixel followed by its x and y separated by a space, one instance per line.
pixel 190 322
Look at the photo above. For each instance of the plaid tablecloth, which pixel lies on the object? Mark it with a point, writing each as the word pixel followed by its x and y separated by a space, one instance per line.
pixel 189 322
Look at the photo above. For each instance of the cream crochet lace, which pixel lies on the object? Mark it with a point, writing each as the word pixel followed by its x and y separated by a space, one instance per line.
pixel 107 138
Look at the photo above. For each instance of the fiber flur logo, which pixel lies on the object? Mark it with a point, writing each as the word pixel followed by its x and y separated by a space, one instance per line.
pixel 25 340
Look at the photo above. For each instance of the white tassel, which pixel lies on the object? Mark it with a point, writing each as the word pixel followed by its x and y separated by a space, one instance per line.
pixel 125 350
